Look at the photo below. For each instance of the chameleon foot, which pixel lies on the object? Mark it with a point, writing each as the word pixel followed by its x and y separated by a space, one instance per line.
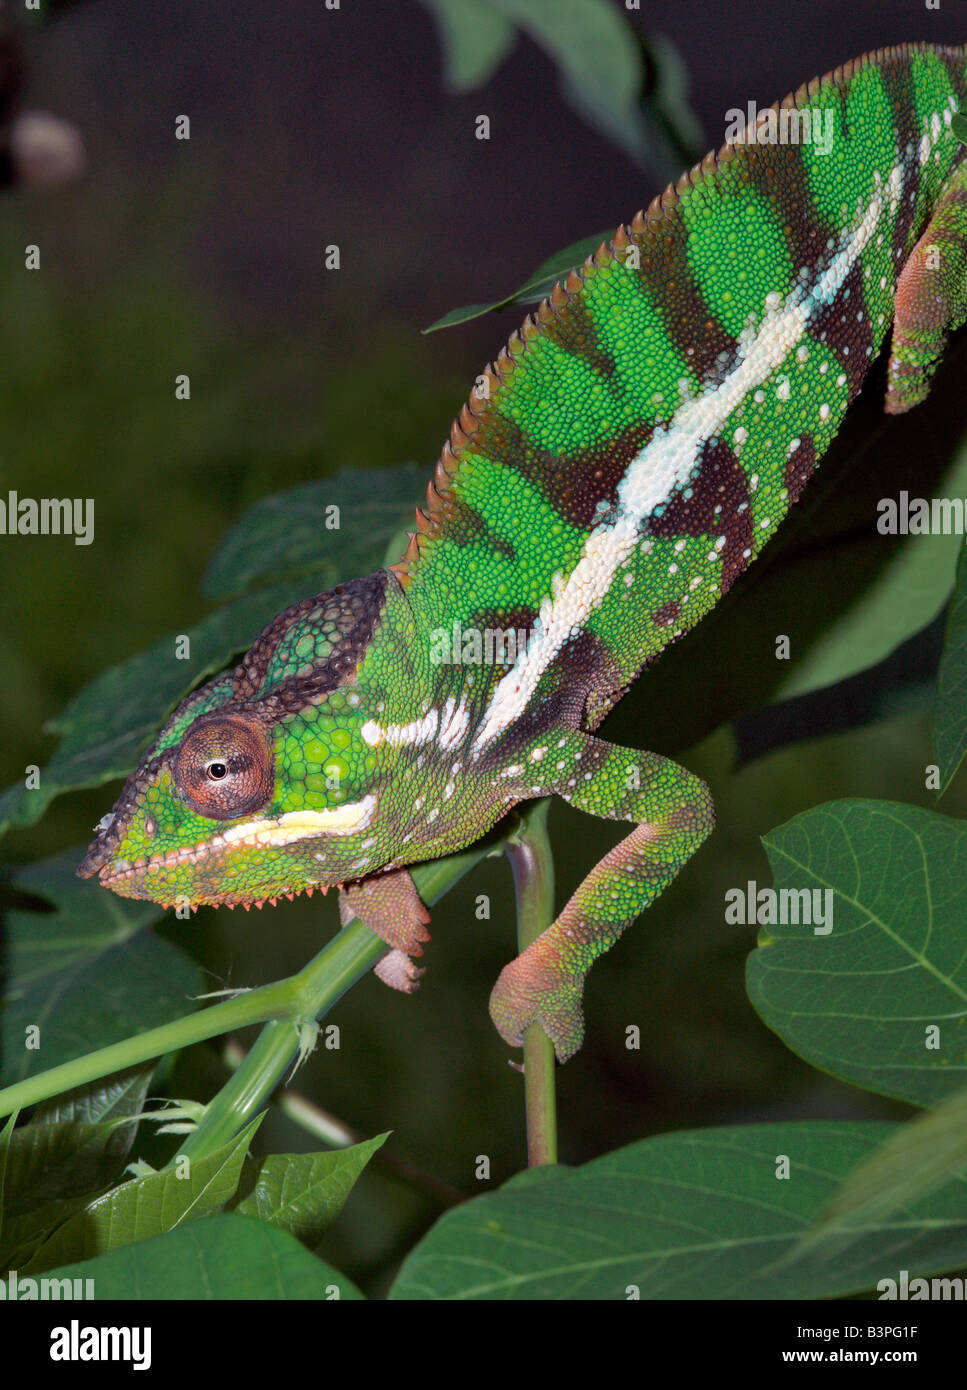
pixel 534 990
pixel 399 972
pixel 391 907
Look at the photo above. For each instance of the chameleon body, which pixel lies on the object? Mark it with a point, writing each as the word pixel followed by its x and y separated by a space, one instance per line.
pixel 619 465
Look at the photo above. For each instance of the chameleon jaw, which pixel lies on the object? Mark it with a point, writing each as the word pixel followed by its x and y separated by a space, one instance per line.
pixel 267 833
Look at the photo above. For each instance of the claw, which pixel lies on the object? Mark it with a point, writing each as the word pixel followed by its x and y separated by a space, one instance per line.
pixel 398 971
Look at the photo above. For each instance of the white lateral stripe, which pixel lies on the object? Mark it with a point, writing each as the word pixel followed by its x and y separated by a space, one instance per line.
pixel 418 731
pixel 447 728
pixel 454 723
pixel 665 464
pixel 303 825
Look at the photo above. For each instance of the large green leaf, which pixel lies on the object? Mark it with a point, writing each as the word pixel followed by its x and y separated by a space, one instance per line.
pixel 52 1171
pixel 950 710
pixel 860 1002
pixel 218 1257
pixel 697 1215
pixel 304 1193
pixel 147 1206
pixel 115 1100
pixel 106 725
pixel 86 974
pixel 75 1146
pixel 916 1158
pixel 293 532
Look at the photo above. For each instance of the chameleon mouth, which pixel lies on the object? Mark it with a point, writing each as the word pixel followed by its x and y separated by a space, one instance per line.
pixel 270 833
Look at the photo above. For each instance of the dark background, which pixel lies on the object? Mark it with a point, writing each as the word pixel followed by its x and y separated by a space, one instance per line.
pixel 310 127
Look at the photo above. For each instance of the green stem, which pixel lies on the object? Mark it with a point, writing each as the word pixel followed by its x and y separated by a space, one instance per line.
pixel 533 866
pixel 336 1134
pixel 324 983
pixel 282 999
pixel 283 1006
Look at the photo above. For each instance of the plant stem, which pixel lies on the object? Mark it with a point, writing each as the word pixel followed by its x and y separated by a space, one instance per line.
pixel 282 1006
pixel 533 866
pixel 336 1134
pixel 323 983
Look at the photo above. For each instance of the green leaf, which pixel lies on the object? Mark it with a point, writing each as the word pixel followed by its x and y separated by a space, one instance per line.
pixel 113 1099
pixel 52 1172
pixel 218 1257
pixel 594 47
pixel 73 1148
pixel 929 1150
pixel 291 533
pixel 950 710
pixel 698 1215
pixel 107 724
pixel 86 974
pixel 907 593
pixel 304 1193
pixel 959 127
pixel 536 287
pixel 475 40
pixel 147 1206
pixel 858 1002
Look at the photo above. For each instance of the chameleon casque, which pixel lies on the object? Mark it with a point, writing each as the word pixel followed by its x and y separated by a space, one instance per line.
pixel 619 465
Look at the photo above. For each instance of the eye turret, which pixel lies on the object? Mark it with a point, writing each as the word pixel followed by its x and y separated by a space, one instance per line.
pixel 225 767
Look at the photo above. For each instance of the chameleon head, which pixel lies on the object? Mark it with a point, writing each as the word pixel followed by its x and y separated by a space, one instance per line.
pixel 261 783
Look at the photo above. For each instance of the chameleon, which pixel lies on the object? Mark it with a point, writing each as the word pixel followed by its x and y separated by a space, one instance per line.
pixel 616 468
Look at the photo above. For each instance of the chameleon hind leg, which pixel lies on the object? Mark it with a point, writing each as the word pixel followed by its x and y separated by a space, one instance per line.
pixel 931 299
pixel 674 814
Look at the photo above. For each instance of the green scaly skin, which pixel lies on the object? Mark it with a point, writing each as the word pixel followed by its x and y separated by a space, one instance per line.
pixel 618 467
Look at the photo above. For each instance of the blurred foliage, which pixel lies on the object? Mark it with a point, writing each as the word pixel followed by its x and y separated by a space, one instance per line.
pixel 91 347
pixel 633 91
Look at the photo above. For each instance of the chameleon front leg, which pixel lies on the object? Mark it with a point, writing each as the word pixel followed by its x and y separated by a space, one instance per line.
pixel 391 907
pixel 674 813
pixel 930 300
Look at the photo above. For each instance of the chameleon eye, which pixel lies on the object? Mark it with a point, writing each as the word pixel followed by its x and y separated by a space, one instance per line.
pixel 224 767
